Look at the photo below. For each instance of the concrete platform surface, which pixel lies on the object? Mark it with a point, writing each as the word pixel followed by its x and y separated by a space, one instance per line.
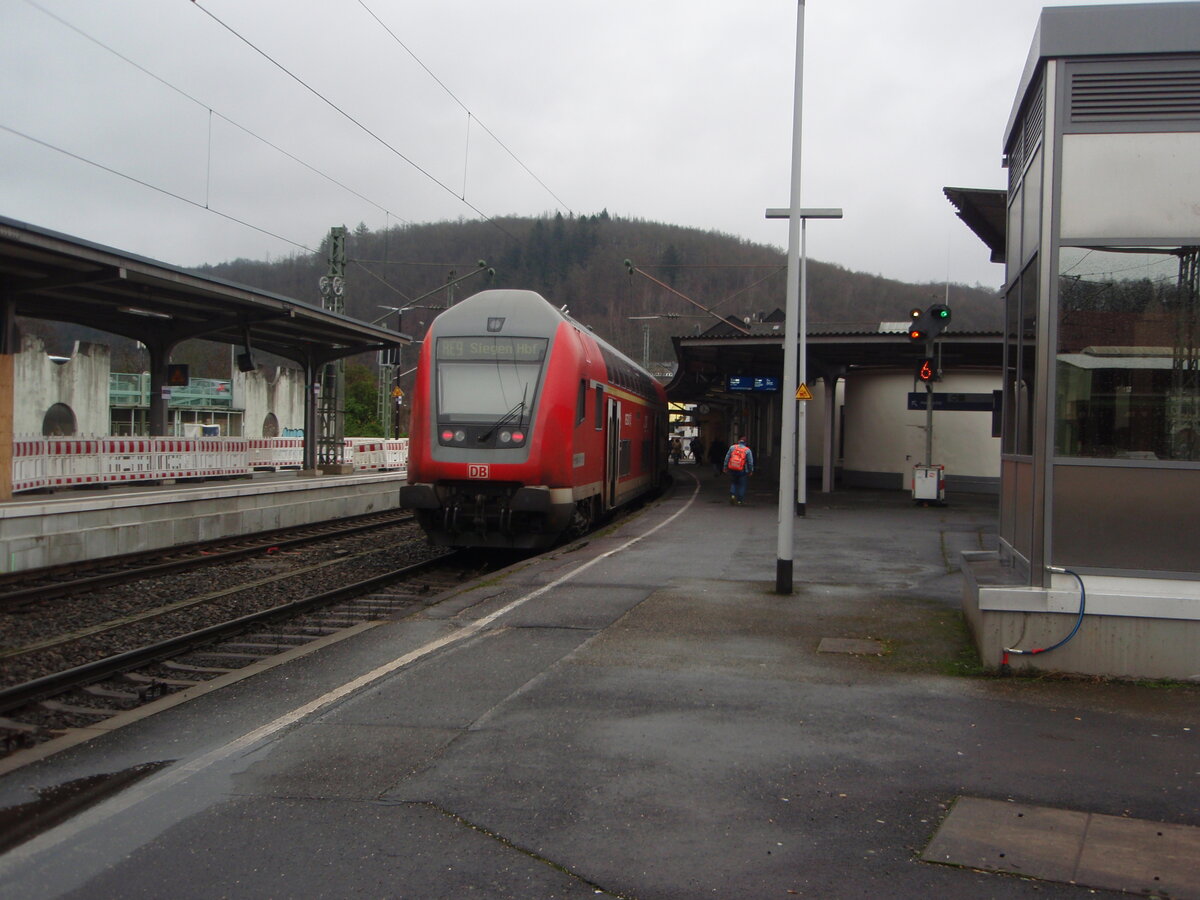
pixel 1087 849
pixel 637 715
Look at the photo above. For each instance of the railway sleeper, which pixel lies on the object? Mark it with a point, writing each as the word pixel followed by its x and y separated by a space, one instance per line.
pixel 222 654
pixel 175 666
pixel 266 647
pixel 107 693
pixel 20 727
pixel 345 622
pixel 356 615
pixel 57 706
pixel 139 678
pixel 298 640
pixel 316 632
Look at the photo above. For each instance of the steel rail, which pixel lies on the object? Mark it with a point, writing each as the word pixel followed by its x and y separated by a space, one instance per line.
pixel 24 596
pixel 49 685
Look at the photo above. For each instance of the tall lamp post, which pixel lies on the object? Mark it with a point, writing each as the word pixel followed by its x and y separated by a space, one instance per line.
pixel 794 339
pixel 797 344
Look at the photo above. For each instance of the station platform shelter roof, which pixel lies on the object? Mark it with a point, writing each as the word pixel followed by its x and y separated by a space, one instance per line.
pixel 52 276
pixel 756 349
pixel 55 277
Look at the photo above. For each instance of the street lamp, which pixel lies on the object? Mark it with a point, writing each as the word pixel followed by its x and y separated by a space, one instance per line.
pixel 798 341
pixel 795 329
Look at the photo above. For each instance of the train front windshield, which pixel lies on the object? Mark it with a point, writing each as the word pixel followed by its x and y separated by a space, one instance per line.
pixel 480 379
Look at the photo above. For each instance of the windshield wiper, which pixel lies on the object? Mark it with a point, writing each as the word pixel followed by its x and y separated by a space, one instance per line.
pixel 518 410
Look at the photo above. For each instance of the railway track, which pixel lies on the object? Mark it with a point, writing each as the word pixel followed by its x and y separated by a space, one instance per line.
pixel 20 589
pixel 82 659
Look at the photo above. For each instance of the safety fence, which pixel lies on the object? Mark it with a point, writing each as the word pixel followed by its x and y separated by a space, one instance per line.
pixel 40 462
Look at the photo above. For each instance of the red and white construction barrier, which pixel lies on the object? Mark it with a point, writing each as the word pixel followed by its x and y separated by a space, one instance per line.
pixel 40 462
pixel 276 453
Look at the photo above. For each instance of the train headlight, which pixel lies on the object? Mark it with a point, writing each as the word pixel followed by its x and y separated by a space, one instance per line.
pixel 505 437
pixel 460 436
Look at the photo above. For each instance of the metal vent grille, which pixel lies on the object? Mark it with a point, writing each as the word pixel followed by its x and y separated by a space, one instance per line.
pixel 1023 146
pixel 1098 97
pixel 1035 123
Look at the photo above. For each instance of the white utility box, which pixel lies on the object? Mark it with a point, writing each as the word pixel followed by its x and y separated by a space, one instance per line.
pixel 929 483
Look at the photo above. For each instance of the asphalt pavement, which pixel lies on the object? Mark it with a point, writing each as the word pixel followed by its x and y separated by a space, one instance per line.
pixel 640 715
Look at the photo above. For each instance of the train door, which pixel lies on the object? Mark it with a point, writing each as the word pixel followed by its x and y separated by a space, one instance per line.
pixel 612 452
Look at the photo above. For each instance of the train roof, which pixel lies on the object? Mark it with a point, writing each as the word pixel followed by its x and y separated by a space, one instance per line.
pixel 520 311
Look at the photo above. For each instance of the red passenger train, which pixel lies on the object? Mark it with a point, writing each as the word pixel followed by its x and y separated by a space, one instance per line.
pixel 526 426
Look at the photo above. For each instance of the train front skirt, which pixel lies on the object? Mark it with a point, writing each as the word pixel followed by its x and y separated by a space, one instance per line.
pixel 490 514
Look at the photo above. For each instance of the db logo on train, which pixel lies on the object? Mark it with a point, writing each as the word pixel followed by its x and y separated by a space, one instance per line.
pixel 477 470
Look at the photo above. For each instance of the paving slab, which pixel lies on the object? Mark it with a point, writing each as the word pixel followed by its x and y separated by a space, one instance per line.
pixel 1097 851
pixel 850 645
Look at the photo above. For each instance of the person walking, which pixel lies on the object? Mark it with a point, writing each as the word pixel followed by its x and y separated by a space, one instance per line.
pixel 739 463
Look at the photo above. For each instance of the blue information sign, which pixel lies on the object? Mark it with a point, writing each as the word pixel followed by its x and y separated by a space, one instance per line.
pixel 753 383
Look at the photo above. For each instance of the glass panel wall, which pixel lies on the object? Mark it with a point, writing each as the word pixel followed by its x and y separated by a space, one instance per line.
pixel 1012 360
pixel 1020 362
pixel 1027 366
pixel 1127 365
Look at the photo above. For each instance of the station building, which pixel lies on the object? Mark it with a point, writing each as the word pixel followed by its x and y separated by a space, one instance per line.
pixel 1100 462
pixel 866 424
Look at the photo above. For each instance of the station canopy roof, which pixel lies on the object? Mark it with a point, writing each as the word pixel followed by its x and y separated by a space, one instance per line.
pixel 52 276
pixel 756 349
pixel 985 212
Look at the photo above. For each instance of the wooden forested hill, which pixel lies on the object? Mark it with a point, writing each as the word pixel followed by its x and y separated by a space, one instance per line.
pixel 579 262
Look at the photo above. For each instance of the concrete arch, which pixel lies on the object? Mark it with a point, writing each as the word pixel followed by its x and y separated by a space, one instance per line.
pixel 59 421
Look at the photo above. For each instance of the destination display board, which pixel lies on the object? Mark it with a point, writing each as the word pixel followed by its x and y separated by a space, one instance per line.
pixel 752 383
pixel 487 349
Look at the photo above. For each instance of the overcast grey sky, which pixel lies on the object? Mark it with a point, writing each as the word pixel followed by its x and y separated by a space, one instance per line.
pixel 677 111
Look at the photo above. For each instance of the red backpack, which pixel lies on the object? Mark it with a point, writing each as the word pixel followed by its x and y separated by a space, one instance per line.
pixel 737 458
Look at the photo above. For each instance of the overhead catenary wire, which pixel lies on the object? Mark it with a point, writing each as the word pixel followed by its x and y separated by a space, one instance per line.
pixel 470 115
pixel 379 139
pixel 632 269
pixel 154 187
pixel 211 113
pixel 258 137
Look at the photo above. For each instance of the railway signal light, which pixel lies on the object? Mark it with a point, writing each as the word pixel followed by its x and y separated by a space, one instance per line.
pixel 927 371
pixel 939 318
pixel 916 328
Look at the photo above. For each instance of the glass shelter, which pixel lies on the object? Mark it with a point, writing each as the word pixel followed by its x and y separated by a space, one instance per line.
pixel 1100 465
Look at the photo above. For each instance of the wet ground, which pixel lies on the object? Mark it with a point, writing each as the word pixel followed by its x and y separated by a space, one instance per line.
pixel 637 716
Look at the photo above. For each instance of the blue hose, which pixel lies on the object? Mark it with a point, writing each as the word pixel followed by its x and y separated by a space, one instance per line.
pixel 1078 621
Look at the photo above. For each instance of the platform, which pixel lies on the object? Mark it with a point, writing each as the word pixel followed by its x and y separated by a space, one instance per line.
pixel 75 524
pixel 635 715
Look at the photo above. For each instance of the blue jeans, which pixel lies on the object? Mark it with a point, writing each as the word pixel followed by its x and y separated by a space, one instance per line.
pixel 737 484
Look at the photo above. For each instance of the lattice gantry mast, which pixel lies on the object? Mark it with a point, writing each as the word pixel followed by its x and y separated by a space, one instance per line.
pixel 331 403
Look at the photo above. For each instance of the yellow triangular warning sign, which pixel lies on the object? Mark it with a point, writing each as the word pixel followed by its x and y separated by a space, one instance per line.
pixel 803 393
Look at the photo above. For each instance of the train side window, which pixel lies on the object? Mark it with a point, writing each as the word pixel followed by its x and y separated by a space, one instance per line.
pixel 581 402
pixel 599 408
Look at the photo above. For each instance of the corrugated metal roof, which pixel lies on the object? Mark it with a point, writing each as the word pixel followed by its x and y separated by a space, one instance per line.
pixel 61 278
